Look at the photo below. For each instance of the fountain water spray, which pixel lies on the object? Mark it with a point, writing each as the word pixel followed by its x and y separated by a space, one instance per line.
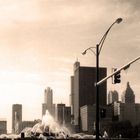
pixel 48 128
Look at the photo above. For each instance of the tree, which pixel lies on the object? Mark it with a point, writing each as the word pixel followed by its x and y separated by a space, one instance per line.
pixel 124 128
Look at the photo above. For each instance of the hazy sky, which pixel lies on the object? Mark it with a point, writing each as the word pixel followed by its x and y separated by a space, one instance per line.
pixel 41 39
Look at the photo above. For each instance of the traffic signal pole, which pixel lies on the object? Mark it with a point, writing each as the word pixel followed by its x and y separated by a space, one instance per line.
pixel 124 67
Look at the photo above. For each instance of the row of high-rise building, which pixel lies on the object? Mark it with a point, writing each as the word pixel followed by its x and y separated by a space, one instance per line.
pixel 60 112
pixel 126 109
pixel 83 96
pixel 83 101
pixel 81 115
pixel 17 123
pixel 127 96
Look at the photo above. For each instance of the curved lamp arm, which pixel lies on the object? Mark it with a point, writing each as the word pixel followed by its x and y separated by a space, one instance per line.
pixel 100 44
pixel 91 49
pixel 118 20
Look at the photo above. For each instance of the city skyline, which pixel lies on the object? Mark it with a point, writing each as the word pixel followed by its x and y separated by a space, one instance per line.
pixel 41 40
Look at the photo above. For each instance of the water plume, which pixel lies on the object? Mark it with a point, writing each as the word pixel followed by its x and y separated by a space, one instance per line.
pixel 48 128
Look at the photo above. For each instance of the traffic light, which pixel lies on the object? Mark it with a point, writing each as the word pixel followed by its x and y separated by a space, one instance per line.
pixel 116 77
pixel 102 113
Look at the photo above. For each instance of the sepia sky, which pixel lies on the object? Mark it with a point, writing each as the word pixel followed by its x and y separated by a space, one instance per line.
pixel 41 39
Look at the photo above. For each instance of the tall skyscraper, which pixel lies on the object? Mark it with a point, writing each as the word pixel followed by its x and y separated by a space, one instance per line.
pixel 48 101
pixel 16 118
pixel 128 95
pixel 84 90
pixel 112 96
pixel 48 97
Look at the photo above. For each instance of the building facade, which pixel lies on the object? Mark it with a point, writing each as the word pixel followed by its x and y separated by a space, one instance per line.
pixel 60 113
pixel 113 96
pixel 128 95
pixel 63 114
pixel 48 97
pixel 67 115
pixel 137 110
pixel 44 108
pixel 16 118
pixel 88 118
pixel 72 95
pixel 83 89
pixel 54 111
pixel 48 102
pixel 127 109
pixel 3 127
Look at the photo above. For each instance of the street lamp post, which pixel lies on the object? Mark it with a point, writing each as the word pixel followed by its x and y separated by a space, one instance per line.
pixel 98 50
pixel 97 92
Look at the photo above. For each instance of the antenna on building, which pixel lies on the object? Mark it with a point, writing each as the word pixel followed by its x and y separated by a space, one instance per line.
pixel 76 64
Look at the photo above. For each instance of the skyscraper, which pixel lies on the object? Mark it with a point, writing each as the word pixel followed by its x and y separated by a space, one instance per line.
pixel 128 95
pixel 16 118
pixel 48 101
pixel 112 96
pixel 48 97
pixel 128 109
pixel 84 90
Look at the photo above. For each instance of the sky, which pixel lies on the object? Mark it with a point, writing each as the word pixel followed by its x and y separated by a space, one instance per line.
pixel 41 39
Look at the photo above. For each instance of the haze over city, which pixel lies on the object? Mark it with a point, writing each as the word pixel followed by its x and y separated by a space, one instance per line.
pixel 41 39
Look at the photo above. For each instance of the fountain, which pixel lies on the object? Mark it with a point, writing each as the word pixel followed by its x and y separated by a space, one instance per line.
pixel 48 128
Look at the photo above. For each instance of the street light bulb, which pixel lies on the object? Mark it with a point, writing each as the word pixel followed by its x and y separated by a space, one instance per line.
pixel 83 53
pixel 118 20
